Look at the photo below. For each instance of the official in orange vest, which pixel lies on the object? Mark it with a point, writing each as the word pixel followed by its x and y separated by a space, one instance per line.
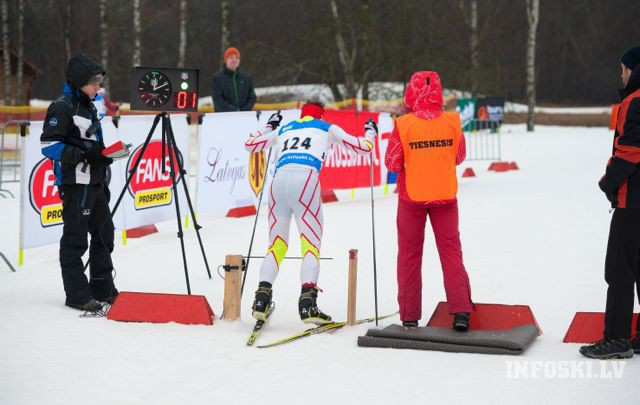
pixel 424 149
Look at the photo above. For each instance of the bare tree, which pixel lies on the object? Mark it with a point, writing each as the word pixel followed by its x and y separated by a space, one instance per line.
pixel 369 65
pixel 6 52
pixel 345 56
pixel 533 16
pixel 182 48
pixel 67 30
pixel 471 19
pixel 19 73
pixel 137 33
pixel 473 24
pixel 224 20
pixel 104 40
pixel 477 34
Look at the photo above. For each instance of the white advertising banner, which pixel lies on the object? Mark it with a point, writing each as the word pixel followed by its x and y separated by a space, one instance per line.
pixel 385 127
pixel 147 200
pixel 40 204
pixel 229 176
pixel 149 197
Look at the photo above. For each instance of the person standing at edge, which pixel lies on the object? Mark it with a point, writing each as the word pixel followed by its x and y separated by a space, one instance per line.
pixel 425 146
pixel 72 139
pixel 232 90
pixel 621 185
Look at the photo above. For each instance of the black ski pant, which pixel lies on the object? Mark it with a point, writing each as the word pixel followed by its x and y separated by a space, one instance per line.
pixel 622 272
pixel 85 209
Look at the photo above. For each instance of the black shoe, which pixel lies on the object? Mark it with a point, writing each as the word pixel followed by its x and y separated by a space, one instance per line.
pixel 89 306
pixel 263 300
pixel 461 321
pixel 308 308
pixel 608 349
pixel 635 344
pixel 109 300
pixel 410 324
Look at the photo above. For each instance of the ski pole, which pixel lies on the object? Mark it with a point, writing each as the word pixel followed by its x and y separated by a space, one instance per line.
pixel 255 222
pixel 373 232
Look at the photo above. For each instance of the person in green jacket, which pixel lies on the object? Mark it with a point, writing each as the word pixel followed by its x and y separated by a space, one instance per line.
pixel 232 90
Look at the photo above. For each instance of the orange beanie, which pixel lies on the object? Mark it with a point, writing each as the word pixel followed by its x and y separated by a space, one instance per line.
pixel 231 51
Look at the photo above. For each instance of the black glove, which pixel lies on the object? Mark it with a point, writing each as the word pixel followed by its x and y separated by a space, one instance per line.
pixel 93 128
pixel 94 156
pixel 606 188
pixel 371 125
pixel 275 120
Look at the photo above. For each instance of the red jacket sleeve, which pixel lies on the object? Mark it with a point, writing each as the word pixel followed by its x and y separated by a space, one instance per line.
pixel 462 151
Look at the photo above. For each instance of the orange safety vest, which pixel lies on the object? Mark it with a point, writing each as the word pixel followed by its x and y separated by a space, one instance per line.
pixel 430 149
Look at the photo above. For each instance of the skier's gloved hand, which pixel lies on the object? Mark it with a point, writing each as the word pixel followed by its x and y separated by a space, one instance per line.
pixel 275 120
pixel 370 127
pixel 93 155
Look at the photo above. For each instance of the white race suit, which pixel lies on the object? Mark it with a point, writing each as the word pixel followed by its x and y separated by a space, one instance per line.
pixel 301 147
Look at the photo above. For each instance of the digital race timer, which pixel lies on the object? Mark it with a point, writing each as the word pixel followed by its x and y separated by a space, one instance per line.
pixel 164 89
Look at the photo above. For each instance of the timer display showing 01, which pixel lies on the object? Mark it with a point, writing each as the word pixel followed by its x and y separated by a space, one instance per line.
pixel 163 89
pixel 185 99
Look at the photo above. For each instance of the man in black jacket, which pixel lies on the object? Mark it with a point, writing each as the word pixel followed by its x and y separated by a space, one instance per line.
pixel 232 90
pixel 621 185
pixel 72 139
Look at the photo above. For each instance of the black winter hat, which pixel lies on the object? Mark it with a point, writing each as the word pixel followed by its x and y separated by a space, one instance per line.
pixel 81 68
pixel 631 57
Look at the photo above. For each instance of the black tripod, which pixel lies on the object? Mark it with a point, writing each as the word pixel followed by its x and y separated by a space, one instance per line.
pixel 169 141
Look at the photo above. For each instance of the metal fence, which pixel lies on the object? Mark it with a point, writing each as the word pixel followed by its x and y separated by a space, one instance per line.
pixel 11 134
pixel 483 140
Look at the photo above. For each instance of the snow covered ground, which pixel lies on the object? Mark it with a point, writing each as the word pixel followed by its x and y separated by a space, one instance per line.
pixel 536 236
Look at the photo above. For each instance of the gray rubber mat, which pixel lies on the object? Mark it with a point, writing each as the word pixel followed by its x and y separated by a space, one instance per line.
pixel 511 341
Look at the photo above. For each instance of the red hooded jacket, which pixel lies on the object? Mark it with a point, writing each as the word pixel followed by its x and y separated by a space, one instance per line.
pixel 423 97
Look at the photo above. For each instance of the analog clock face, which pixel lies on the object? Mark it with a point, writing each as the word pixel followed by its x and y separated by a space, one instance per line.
pixel 154 89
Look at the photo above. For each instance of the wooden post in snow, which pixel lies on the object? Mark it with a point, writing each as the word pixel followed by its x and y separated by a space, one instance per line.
pixel 353 283
pixel 232 286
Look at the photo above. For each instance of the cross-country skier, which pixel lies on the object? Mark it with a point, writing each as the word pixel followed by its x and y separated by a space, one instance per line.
pixel 301 147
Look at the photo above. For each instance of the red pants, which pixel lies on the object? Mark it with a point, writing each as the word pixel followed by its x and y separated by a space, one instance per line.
pixel 411 222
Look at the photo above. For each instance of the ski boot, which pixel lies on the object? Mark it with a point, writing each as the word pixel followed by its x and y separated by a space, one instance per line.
pixel 461 321
pixel 308 308
pixel 261 305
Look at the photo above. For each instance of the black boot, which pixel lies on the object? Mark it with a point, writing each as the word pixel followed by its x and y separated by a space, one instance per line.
pixel 410 324
pixel 110 298
pixel 262 302
pixel 461 321
pixel 89 306
pixel 308 308
pixel 608 349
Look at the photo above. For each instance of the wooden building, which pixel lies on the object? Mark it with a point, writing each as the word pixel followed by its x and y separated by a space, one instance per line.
pixel 29 70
